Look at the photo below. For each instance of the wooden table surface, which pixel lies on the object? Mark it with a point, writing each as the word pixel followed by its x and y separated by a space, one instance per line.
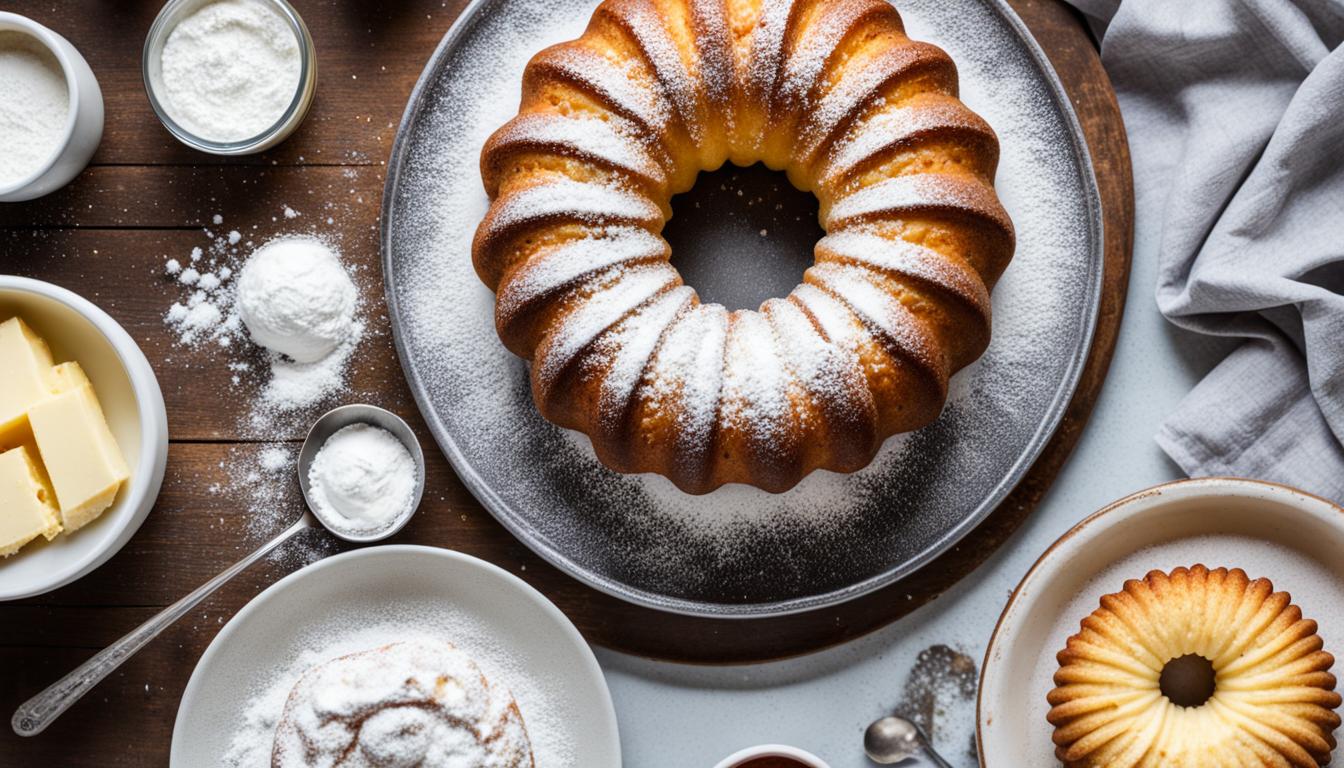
pixel 147 198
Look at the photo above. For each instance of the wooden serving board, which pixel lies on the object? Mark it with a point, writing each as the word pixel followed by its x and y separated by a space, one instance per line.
pixel 146 198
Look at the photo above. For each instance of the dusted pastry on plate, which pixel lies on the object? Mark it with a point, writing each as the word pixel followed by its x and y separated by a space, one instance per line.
pixel 415 703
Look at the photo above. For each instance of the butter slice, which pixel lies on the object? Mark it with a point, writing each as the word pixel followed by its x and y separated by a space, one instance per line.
pixel 25 360
pixel 81 456
pixel 68 376
pixel 27 503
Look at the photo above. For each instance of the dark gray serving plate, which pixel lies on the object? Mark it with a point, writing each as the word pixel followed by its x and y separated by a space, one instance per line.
pixel 739 552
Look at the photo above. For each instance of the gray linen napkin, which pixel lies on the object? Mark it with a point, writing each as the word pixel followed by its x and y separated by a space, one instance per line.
pixel 1235 116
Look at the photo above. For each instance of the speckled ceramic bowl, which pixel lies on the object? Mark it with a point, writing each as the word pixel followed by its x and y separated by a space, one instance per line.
pixel 1271 531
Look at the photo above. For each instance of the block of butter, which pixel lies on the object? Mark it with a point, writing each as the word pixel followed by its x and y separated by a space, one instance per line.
pixel 26 362
pixel 27 503
pixel 78 450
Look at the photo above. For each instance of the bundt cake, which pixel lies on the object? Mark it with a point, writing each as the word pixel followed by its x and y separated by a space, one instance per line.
pixel 417 703
pixel 1272 696
pixel 654 91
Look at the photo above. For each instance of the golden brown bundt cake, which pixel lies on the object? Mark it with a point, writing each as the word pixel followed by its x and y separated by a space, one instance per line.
pixel 615 123
pixel 1272 697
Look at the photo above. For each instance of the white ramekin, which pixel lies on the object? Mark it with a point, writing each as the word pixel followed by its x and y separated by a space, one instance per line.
pixel 131 400
pixel 772 750
pixel 151 66
pixel 84 126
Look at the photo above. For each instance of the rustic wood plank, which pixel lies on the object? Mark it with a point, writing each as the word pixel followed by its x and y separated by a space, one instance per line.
pixel 251 199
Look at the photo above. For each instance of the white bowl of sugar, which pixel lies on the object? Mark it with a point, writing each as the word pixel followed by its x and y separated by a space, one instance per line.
pixel 230 77
pixel 51 110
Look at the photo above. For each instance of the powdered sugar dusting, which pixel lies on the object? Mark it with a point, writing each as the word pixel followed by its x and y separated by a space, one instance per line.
pixel 767 49
pixel 631 348
pixel 587 137
pixel 905 258
pixel 684 378
pixel 754 397
pixel 589 256
pixel 806 62
pixel 592 203
pixel 879 311
pixel 858 85
pixel 407 703
pixel 824 372
pixel 619 83
pixel 666 60
pixel 892 126
pixel 414 622
pixel 925 190
pixel 576 330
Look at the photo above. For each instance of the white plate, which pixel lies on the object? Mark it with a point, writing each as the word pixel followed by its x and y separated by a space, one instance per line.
pixel 131 400
pixel 515 634
pixel 1271 531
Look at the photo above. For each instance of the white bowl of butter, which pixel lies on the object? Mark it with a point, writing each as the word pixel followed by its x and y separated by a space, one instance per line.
pixel 121 382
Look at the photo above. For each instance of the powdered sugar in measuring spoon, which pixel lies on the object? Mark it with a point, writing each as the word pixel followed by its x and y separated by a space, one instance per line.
pixel 347 439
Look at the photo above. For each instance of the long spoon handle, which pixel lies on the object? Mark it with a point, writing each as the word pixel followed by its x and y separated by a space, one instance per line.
pixel 34 715
pixel 931 753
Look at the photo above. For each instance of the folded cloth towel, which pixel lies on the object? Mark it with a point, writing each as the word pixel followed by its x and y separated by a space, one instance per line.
pixel 1235 116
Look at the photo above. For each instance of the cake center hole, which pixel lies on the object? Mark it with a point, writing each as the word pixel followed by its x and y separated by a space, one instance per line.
pixel 743 235
pixel 1187 680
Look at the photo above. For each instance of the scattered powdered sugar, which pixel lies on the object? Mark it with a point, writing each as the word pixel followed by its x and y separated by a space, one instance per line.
pixel 210 316
pixel 255 731
pixel 942 682
pixel 261 481
pixel 738 544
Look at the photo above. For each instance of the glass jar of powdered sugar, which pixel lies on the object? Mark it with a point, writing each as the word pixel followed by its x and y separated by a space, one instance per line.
pixel 230 77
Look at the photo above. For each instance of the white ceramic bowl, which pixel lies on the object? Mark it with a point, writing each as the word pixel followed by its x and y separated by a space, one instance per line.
pixel 1290 537
pixel 772 750
pixel 133 404
pixel 84 126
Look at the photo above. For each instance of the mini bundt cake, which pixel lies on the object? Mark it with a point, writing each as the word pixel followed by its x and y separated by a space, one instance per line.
pixel 1272 695
pixel 417 703
pixel 616 122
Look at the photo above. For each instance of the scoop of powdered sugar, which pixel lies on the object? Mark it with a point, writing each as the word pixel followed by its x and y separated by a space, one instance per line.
pixel 362 479
pixel 296 299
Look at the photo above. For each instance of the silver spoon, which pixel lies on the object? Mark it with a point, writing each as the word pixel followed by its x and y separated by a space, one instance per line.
pixel 35 714
pixel 893 739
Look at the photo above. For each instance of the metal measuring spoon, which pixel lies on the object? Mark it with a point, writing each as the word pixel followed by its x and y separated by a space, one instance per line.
pixel 35 714
pixel 893 739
